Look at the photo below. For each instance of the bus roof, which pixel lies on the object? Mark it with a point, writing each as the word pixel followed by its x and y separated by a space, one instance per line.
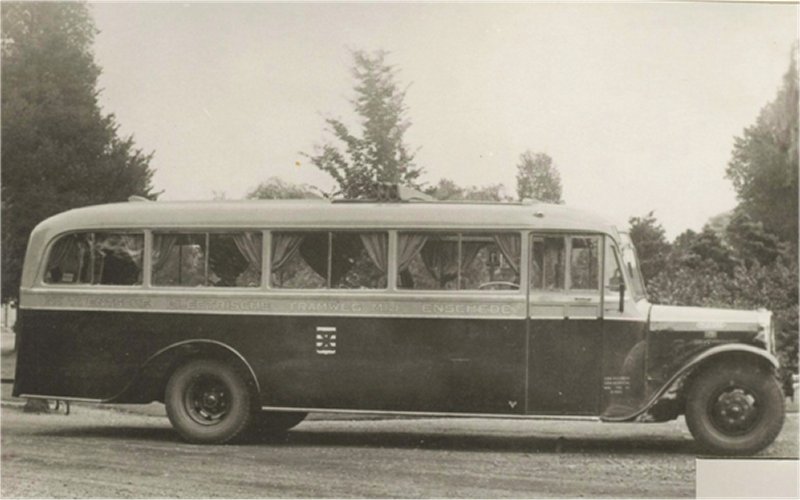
pixel 309 214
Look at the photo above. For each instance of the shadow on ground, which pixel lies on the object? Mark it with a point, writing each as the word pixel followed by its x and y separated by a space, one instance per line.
pixel 405 440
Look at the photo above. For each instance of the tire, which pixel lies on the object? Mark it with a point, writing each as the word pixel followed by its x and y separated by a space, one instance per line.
pixel 276 422
pixel 734 410
pixel 208 402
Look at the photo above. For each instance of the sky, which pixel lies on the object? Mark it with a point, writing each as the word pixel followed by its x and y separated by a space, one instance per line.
pixel 638 104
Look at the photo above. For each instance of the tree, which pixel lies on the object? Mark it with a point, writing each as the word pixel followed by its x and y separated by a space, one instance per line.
pixel 747 258
pixel 59 151
pixel 651 244
pixel 764 162
pixel 379 154
pixel 538 178
pixel 704 249
pixel 751 242
pixel 276 188
pixel 446 189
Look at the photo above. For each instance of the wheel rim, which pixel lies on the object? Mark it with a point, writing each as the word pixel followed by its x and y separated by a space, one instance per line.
pixel 207 400
pixel 735 410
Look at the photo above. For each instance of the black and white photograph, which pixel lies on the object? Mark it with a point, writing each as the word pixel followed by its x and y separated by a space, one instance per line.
pixel 399 249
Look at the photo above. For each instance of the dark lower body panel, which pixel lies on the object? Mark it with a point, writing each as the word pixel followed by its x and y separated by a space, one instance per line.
pixel 382 364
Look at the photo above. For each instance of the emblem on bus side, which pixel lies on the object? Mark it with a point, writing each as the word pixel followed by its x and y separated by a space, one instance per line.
pixel 326 340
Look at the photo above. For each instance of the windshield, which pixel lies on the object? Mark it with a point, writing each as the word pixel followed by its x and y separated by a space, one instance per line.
pixel 632 264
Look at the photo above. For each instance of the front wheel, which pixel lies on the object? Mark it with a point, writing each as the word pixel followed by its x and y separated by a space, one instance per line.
pixel 208 402
pixel 734 410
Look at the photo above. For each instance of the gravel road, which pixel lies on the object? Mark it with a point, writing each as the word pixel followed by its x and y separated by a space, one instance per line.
pixel 97 452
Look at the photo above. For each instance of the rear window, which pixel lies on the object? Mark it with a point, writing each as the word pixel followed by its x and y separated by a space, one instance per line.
pixel 96 258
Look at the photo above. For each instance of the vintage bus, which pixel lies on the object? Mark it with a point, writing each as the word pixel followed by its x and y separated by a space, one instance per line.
pixel 249 315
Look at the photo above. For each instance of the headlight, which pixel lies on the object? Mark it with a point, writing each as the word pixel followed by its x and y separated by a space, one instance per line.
pixel 766 330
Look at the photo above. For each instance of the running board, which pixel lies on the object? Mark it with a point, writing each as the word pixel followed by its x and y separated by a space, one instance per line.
pixel 431 414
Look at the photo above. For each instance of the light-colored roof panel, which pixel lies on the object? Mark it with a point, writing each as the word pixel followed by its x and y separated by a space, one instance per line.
pixel 321 213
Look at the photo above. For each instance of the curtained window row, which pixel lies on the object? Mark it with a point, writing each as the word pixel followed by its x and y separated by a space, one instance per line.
pixel 299 259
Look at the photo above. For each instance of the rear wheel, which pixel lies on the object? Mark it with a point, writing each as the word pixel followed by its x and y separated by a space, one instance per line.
pixel 734 410
pixel 208 402
pixel 274 422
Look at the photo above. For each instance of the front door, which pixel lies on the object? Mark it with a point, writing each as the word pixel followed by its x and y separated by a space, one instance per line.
pixel 565 324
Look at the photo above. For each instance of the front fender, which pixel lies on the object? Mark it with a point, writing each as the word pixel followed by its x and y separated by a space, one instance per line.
pixel 691 365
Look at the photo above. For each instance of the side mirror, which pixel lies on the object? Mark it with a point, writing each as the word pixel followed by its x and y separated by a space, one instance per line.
pixel 622 297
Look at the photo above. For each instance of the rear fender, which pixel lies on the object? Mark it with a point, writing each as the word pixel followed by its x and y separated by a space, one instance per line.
pixel 151 377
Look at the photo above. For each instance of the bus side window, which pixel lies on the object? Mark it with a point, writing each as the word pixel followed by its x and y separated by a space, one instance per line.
pixel 427 261
pixel 490 261
pixel 308 260
pixel 548 263
pixel 118 258
pixel 179 259
pixel 458 261
pixel 584 261
pixel 359 260
pixel 69 261
pixel 299 260
pixel 97 259
pixel 234 259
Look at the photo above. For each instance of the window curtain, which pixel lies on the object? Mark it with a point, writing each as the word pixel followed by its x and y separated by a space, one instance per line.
pixel 347 248
pixel 62 249
pixel 469 250
pixel 249 245
pixel 162 247
pixel 510 248
pixel 284 247
pixel 314 250
pixel 408 247
pixel 377 247
pixel 441 260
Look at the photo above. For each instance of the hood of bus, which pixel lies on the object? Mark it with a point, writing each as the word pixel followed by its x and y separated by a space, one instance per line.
pixel 710 321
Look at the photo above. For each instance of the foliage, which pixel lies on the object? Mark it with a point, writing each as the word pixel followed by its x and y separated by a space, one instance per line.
pixel 704 249
pixel 699 269
pixel 764 162
pixel 538 178
pixel 446 189
pixel 276 188
pixel 379 155
pixel 751 241
pixel 59 151
pixel 651 244
pixel 773 287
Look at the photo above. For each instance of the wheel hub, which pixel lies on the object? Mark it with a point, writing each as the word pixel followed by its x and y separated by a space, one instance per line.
pixel 206 401
pixel 734 411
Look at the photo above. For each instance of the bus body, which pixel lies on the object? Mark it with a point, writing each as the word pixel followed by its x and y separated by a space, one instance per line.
pixel 243 314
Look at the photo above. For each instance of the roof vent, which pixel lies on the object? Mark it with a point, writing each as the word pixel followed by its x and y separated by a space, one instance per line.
pixel 137 198
pixel 387 192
